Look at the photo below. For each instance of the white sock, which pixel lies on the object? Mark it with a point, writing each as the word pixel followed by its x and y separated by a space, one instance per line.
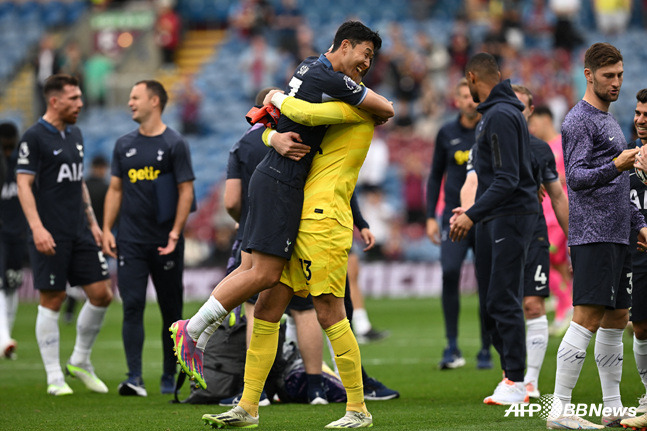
pixel 47 336
pixel 608 357
pixel 291 331
pixel 640 353
pixel 211 311
pixel 88 325
pixel 536 344
pixel 12 306
pixel 570 357
pixel 207 333
pixel 5 334
pixel 361 324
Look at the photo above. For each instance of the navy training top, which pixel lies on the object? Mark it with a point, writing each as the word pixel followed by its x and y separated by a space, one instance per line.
pixel 502 158
pixel 139 160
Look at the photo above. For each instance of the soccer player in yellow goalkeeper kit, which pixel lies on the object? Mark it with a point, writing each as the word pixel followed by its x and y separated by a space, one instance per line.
pixel 318 264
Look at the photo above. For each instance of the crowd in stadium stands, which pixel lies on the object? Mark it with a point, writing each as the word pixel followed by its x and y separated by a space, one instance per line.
pixel 426 45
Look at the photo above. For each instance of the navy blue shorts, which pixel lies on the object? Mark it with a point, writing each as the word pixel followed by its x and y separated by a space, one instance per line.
pixel 299 303
pixel 78 261
pixel 638 310
pixel 602 275
pixel 13 255
pixel 535 273
pixel 274 216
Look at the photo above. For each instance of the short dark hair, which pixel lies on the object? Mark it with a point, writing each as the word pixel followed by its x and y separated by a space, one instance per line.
pixel 523 90
pixel 641 96
pixel 260 96
pixel 543 110
pixel 56 83
pixel 99 161
pixel 600 55
pixel 483 64
pixel 8 130
pixel 356 32
pixel 157 89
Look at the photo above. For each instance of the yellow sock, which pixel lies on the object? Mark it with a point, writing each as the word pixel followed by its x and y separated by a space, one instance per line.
pixel 349 363
pixel 260 357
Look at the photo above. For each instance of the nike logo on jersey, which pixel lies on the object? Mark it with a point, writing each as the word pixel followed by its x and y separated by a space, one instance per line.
pixel 455 141
pixel 57 152
pixel 611 138
pixel 496 241
pixel 131 152
pixel 538 288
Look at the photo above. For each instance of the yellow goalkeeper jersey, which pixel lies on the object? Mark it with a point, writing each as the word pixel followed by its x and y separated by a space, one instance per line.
pixel 333 174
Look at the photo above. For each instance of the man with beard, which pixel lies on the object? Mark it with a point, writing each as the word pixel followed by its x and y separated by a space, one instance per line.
pixel 601 219
pixel 453 144
pixel 65 236
pixel 505 212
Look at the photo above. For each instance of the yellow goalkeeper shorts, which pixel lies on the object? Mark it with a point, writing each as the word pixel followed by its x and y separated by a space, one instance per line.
pixel 320 258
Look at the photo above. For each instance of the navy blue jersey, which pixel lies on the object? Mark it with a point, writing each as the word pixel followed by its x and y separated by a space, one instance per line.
pixel 502 160
pixel 55 158
pixel 244 156
pixel 139 160
pixel 314 81
pixel 13 220
pixel 451 152
pixel 544 166
pixel 637 195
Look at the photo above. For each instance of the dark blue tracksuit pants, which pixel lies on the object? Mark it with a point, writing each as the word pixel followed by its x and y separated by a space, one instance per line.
pixel 501 248
pixel 136 262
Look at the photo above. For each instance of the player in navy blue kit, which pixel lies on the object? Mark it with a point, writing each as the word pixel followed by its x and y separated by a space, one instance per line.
pixel 453 144
pixel 505 212
pixel 13 240
pixel 536 288
pixel 151 170
pixel 63 246
pixel 638 310
pixel 276 188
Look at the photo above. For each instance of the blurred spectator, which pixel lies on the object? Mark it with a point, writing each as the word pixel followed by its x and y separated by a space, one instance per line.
pixel 612 16
pixel 413 179
pixel 251 17
pixel 287 19
pixel 459 52
pixel 566 36
pixel 97 69
pixel 167 32
pixel 373 171
pixel 72 62
pixel 47 63
pixel 189 100
pixel 258 64
pixel 383 219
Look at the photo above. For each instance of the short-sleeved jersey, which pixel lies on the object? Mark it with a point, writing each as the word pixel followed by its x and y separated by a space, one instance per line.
pixel 55 158
pixel 244 156
pixel 451 152
pixel 139 161
pixel 599 210
pixel 544 164
pixel 314 81
pixel 638 192
pixel 13 220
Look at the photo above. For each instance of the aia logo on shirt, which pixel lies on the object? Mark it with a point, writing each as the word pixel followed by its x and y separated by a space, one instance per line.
pixel 72 172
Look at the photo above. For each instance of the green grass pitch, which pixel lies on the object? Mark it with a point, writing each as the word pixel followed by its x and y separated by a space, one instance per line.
pixel 406 361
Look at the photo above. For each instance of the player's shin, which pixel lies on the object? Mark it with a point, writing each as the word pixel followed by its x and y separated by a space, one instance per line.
pixel 260 358
pixel 349 363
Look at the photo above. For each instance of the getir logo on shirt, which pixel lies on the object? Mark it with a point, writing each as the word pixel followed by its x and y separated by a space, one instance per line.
pixel 148 173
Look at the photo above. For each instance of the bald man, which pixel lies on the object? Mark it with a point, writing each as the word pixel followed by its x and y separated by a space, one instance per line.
pixel 505 212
